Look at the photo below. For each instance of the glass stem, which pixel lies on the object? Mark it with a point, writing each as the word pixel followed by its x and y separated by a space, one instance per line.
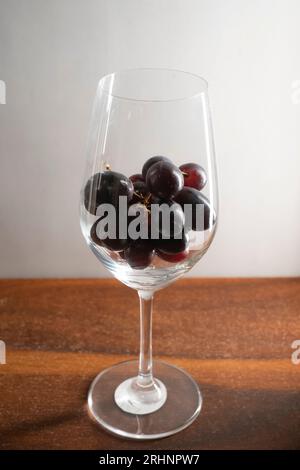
pixel 145 377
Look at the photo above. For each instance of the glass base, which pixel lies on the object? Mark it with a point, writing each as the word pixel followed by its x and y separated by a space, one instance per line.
pixel 140 400
pixel 179 401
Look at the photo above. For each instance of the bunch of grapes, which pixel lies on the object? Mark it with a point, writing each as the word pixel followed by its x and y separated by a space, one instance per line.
pixel 161 182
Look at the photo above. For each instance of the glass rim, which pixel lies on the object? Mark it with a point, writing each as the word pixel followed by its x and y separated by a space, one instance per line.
pixel 110 76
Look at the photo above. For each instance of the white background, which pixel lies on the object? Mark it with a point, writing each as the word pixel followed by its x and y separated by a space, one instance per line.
pixel 52 54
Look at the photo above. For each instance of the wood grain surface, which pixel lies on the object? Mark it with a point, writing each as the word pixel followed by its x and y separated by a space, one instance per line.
pixel 233 335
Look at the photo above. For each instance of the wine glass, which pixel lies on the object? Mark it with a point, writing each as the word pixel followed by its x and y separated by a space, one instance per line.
pixel 150 147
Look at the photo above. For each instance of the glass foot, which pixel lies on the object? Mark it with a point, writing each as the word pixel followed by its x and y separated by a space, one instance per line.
pixel 132 398
pixel 177 401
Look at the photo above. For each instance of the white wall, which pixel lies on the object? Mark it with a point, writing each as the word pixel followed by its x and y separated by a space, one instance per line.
pixel 52 54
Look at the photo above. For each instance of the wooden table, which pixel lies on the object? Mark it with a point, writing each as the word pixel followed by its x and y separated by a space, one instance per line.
pixel 233 335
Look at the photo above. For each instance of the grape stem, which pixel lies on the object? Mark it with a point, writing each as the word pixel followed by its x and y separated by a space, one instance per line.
pixel 137 194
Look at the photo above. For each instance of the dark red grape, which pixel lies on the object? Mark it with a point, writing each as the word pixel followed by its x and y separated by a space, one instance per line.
pixel 139 254
pixel 105 188
pixel 164 180
pixel 136 177
pixel 173 245
pixel 151 162
pixel 173 258
pixel 194 175
pixel 114 185
pixel 92 193
pixel 114 244
pixel 196 200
